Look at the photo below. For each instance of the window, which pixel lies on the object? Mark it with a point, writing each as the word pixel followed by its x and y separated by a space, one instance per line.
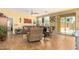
pixel 39 22
pixel 47 21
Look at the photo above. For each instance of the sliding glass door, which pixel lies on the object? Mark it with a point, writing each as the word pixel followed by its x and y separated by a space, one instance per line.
pixel 70 25
pixel 67 25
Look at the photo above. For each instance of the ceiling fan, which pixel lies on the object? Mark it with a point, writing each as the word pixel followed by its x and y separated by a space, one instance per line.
pixel 32 12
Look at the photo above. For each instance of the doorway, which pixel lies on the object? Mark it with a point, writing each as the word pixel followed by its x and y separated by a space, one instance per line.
pixel 10 25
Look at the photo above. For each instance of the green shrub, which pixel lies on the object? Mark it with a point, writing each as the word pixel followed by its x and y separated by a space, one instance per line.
pixel 3 32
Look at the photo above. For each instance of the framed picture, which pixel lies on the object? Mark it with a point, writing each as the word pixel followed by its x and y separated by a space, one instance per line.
pixel 27 20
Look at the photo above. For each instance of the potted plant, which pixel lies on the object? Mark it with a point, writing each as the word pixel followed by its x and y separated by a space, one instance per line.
pixel 3 33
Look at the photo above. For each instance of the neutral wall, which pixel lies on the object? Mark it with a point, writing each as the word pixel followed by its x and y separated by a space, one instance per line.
pixel 77 19
pixel 3 21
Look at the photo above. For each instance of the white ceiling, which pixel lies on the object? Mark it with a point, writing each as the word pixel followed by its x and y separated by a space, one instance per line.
pixel 39 11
